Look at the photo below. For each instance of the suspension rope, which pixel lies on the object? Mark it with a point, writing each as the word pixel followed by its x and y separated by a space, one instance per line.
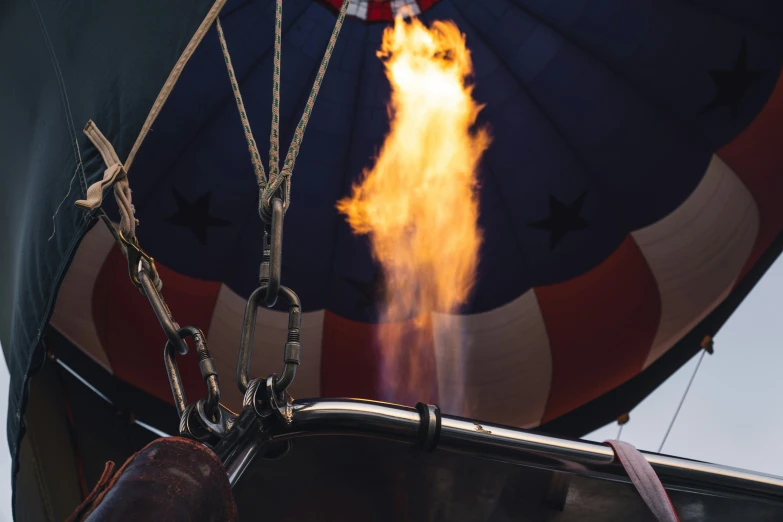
pixel 706 345
pixel 274 137
pixel 278 182
pixel 255 157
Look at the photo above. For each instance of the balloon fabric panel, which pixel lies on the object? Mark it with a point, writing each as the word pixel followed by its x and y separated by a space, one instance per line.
pixel 605 117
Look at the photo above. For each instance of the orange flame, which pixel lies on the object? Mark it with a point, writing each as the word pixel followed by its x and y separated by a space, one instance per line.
pixel 418 204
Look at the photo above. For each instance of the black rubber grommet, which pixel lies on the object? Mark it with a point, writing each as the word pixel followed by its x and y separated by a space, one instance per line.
pixel 424 423
pixel 429 426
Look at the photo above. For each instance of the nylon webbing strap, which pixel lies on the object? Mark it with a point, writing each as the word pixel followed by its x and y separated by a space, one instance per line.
pixel 279 181
pixel 113 175
pixel 646 481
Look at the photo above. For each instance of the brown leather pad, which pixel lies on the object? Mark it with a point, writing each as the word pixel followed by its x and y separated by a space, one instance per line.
pixel 172 479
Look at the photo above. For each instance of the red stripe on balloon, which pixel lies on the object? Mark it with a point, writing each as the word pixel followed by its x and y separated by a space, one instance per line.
pixel 379 12
pixel 426 4
pixel 756 156
pixel 130 333
pixel 353 364
pixel 349 359
pixel 601 326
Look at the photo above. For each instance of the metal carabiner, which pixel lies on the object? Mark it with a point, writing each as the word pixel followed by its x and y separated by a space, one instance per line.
pixel 292 345
pixel 161 309
pixel 175 379
pixel 206 365
pixel 272 258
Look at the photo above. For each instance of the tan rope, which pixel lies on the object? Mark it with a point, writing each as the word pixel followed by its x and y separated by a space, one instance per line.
pixel 255 157
pixel 274 138
pixel 173 77
pixel 114 175
pixel 278 182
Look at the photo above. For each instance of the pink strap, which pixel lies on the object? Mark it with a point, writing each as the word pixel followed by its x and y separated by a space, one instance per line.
pixel 646 481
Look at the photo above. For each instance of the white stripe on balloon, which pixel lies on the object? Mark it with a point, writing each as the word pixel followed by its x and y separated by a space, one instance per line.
pixel 697 252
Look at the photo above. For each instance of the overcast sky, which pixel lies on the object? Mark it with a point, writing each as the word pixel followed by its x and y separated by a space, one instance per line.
pixel 732 414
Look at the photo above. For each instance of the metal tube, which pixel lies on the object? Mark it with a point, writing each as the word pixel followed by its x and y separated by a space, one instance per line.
pixel 241 459
pixel 597 460
pixel 373 419
pixel 354 417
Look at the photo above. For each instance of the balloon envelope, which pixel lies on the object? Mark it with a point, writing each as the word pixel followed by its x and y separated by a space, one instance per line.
pixel 628 193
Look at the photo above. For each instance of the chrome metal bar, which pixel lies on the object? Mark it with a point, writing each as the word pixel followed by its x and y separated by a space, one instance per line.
pixel 354 417
pixel 242 458
pixel 597 460
pixel 391 421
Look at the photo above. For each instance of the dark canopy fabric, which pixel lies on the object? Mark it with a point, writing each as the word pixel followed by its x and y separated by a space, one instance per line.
pixel 62 64
pixel 622 200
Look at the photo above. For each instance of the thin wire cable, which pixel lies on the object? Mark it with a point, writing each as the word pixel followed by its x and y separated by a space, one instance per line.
pixel 620 431
pixel 682 400
pixel 95 390
pixel 57 210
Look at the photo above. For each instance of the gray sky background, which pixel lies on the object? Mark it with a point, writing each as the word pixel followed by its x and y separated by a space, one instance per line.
pixel 5 457
pixel 732 414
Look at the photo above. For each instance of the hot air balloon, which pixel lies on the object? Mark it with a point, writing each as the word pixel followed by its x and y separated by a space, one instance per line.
pixel 627 204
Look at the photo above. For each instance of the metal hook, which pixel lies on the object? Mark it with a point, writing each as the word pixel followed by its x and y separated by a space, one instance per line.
pixel 138 260
pixel 292 346
pixel 272 260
